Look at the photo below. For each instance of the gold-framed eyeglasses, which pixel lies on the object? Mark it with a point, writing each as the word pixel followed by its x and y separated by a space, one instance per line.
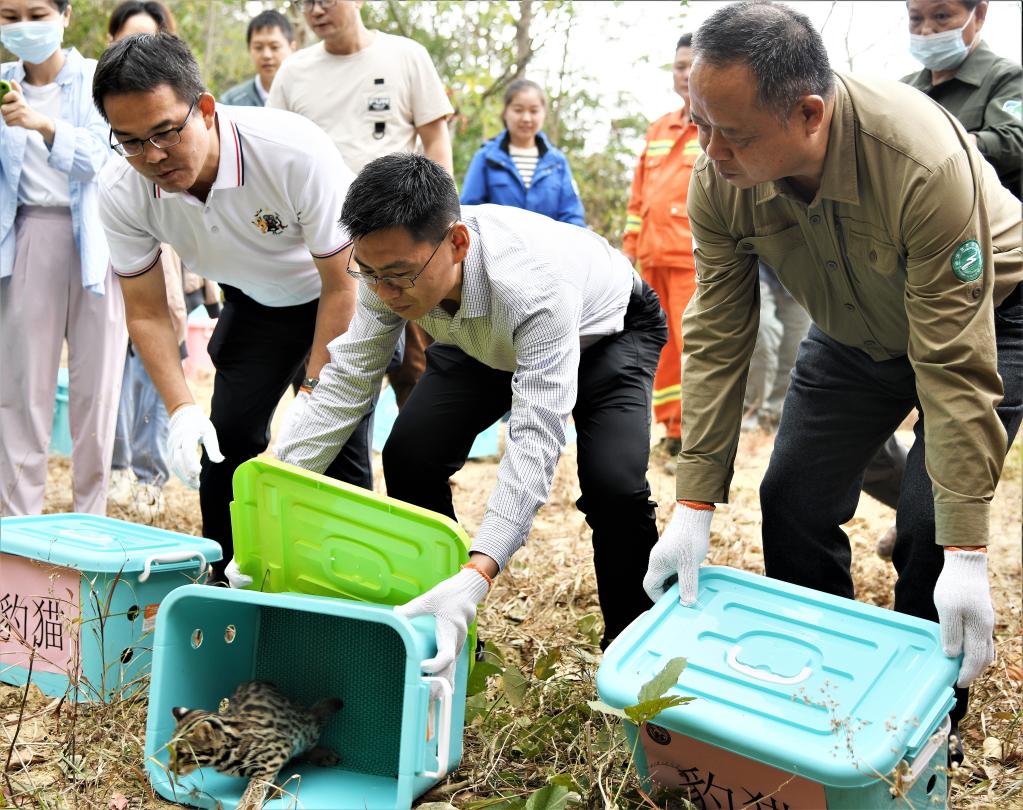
pixel 161 140
pixel 398 282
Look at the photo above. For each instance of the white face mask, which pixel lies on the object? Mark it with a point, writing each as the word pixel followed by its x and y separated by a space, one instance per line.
pixel 942 51
pixel 33 42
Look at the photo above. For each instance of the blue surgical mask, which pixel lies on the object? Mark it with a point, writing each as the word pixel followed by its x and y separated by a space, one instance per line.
pixel 942 51
pixel 33 42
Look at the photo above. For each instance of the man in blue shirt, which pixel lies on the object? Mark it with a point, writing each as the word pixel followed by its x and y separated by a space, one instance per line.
pixel 271 40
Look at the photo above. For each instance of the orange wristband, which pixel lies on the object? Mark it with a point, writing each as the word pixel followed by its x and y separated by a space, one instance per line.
pixel 481 572
pixel 981 549
pixel 699 505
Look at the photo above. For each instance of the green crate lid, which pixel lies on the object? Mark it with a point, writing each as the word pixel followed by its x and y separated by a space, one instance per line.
pixel 299 531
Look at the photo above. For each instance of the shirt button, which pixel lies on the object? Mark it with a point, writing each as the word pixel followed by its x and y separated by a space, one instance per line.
pixel 816 219
pixel 975 293
pixel 849 307
pixel 873 255
pixel 832 265
pixel 746 246
pixel 214 229
pixel 674 210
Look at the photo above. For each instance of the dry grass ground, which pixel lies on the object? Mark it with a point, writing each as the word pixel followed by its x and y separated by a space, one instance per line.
pixel 530 727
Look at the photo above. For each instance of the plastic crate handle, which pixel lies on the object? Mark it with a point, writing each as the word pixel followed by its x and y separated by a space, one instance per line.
pixel 923 758
pixel 763 675
pixel 171 557
pixel 444 730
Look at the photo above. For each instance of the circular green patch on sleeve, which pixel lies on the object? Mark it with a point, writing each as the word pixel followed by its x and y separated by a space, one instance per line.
pixel 968 261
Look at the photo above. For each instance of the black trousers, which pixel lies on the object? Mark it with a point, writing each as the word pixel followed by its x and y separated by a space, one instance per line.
pixel 840 408
pixel 457 397
pixel 256 351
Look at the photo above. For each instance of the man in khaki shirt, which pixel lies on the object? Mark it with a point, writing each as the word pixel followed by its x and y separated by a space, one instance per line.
pixel 893 232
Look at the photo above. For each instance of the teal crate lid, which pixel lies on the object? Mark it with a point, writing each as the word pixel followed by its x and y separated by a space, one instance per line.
pixel 824 687
pixel 295 530
pixel 102 544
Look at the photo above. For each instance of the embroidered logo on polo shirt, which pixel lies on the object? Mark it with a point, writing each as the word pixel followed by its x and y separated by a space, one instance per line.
pixel 268 222
pixel 968 261
pixel 1012 107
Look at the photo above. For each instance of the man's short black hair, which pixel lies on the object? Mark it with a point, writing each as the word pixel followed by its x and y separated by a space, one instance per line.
pixel 269 19
pixel 685 41
pixel 143 62
pixel 781 48
pixel 402 190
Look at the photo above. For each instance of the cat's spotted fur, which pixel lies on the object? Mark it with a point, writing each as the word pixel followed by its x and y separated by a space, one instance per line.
pixel 254 736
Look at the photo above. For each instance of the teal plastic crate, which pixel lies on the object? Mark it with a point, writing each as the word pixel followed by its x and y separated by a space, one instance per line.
pixel 60 435
pixel 801 698
pixel 79 595
pixel 394 741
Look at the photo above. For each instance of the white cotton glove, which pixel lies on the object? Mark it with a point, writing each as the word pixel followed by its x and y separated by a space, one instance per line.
pixel 678 553
pixel 188 427
pixel 235 578
pixel 292 418
pixel 962 596
pixel 453 603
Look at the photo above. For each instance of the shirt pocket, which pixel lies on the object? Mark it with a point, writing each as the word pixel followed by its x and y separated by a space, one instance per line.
pixel 870 255
pixel 786 251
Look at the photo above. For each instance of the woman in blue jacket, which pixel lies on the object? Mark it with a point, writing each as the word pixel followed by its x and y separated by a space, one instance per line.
pixel 55 278
pixel 520 167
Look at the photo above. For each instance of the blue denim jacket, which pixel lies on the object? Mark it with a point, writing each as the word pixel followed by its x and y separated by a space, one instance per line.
pixel 80 148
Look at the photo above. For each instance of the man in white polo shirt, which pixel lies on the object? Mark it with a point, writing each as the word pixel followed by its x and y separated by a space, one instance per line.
pixel 530 315
pixel 250 198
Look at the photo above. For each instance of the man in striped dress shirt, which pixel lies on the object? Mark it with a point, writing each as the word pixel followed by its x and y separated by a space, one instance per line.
pixel 528 314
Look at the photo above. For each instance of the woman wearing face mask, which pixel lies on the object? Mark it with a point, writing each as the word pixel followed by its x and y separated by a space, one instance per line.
pixel 55 280
pixel 521 167
pixel 969 80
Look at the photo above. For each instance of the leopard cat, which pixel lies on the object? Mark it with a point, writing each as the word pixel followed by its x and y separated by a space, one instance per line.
pixel 254 736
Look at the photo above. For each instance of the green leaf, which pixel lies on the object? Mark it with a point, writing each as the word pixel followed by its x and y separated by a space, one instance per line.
pixel 515 685
pixel 552 797
pixel 478 677
pixel 567 781
pixel 647 710
pixel 663 681
pixel 492 654
pixel 604 708
pixel 544 667
pixel 589 627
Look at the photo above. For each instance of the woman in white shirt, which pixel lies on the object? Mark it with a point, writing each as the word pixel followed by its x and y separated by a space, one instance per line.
pixel 55 278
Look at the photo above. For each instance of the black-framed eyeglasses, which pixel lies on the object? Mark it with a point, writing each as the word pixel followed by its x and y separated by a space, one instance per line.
pixel 399 282
pixel 161 140
pixel 309 5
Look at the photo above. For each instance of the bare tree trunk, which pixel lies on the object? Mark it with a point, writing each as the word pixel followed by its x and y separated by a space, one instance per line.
pixel 523 50
pixel 523 42
pixel 211 19
pixel 554 129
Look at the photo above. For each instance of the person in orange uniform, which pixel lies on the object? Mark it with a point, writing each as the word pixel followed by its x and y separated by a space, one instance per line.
pixel 657 235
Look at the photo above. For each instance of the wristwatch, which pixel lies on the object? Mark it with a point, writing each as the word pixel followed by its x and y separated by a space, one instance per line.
pixel 310 383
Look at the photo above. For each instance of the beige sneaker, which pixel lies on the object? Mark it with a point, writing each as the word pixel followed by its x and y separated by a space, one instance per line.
pixel 886 544
pixel 149 502
pixel 122 483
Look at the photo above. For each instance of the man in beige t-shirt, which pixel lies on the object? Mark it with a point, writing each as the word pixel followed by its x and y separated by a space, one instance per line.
pixel 373 93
